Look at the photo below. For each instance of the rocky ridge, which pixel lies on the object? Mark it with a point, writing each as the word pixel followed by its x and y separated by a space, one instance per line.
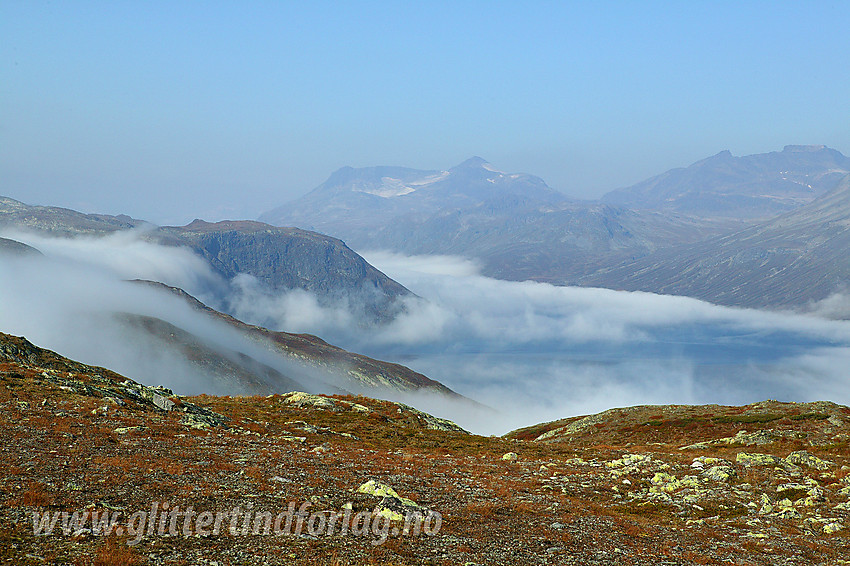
pixel 320 366
pixel 277 258
pixel 288 258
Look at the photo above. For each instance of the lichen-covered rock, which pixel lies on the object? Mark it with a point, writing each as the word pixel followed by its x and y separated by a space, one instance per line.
pixel 374 487
pixel 785 510
pixel 803 458
pixel 165 400
pixel 668 483
pixel 392 505
pixel 431 422
pixel 301 399
pixel 580 425
pixel 744 438
pixel 757 438
pixel 748 459
pixel 766 505
pixel 510 457
pixel 634 464
pixel 701 462
pixel 835 421
pixel 720 473
pixel 630 460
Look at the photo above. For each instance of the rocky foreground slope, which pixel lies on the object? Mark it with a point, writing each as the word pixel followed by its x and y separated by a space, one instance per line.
pixel 761 484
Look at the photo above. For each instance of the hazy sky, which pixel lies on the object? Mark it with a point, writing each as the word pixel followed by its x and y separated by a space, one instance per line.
pixel 172 110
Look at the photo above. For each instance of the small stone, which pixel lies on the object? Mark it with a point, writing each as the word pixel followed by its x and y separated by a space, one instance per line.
pixel 510 457
pixel 766 505
pixel 127 429
pixel 321 449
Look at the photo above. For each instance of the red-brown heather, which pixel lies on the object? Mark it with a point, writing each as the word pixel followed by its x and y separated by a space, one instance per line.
pixel 761 484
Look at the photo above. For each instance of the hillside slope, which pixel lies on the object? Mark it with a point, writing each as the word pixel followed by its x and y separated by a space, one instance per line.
pixel 789 261
pixel 278 258
pixel 311 364
pixel 749 187
pixel 80 439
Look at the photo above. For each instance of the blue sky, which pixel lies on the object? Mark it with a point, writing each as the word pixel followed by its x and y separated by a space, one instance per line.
pixel 173 110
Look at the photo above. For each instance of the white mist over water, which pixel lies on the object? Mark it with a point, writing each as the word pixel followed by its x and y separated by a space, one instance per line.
pixel 532 351
pixel 540 352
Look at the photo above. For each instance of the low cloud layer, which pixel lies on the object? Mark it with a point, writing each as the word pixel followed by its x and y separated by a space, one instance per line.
pixel 540 352
pixel 531 351
pixel 76 300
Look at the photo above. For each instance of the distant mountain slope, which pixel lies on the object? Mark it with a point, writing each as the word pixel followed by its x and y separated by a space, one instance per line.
pixel 557 243
pixel 516 225
pixel 748 187
pixel 279 258
pixel 791 260
pixel 60 221
pixel 354 201
pixel 15 247
pixel 287 258
pixel 313 364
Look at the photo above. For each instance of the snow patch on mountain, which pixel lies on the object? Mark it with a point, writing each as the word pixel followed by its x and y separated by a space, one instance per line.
pixel 392 187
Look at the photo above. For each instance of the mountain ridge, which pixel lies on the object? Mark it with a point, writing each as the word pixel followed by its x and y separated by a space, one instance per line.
pixel 749 187
pixel 513 222
pixel 279 258
pixel 345 371
pixel 793 260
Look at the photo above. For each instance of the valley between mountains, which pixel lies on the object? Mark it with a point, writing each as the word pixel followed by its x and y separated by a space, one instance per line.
pixel 655 377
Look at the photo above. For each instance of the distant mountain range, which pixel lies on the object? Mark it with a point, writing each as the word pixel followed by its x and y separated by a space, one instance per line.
pixel 749 187
pixel 279 258
pixel 519 228
pixel 761 230
pixel 367 199
pixel 517 225
pixel 255 360
pixel 791 260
